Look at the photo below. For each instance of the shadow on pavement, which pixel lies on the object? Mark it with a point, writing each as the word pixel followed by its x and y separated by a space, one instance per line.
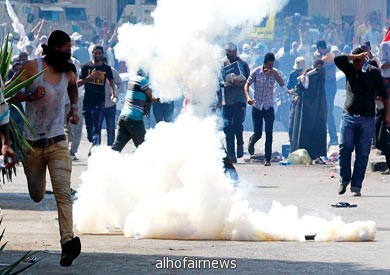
pixel 22 201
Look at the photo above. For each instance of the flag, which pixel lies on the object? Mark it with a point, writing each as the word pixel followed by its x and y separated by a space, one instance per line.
pixel 16 24
pixel 387 36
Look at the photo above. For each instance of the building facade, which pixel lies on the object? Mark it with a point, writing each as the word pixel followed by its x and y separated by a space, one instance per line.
pixel 347 10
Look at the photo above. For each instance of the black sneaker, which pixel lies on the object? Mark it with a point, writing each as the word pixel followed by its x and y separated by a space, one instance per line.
pixel 70 251
pixel 356 194
pixel 342 189
pixel 267 163
pixel 251 147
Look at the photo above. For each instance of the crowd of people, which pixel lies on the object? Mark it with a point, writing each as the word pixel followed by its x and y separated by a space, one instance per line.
pixel 295 83
pixel 305 58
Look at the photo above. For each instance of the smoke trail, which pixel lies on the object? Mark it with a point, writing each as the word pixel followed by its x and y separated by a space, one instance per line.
pixel 174 185
pixel 181 49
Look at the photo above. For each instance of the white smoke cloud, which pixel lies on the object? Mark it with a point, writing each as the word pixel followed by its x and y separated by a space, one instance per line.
pixel 181 49
pixel 173 186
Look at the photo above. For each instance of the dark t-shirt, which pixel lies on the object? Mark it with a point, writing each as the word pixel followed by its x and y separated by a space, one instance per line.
pixel 95 89
pixel 361 88
pixel 235 94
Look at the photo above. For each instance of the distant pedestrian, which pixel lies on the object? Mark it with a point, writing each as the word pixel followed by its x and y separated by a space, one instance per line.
pixel 110 106
pixel 94 76
pixel 263 78
pixel 231 99
pixel 325 54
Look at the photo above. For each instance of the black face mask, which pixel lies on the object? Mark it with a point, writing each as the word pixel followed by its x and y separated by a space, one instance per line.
pixel 58 60
pixel 62 56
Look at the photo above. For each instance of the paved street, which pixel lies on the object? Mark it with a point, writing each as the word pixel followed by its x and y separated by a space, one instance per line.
pixel 31 226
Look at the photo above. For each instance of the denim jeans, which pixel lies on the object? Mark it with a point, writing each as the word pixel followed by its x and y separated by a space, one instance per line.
pixel 233 116
pixel 257 119
pixel 93 114
pixel 129 129
pixel 356 134
pixel 330 90
pixel 163 111
pixel 109 116
pixel 55 158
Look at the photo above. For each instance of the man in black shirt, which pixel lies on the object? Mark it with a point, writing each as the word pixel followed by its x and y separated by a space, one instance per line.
pixel 358 118
pixel 94 76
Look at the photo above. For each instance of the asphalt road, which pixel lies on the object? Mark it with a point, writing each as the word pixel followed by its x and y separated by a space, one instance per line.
pixel 31 226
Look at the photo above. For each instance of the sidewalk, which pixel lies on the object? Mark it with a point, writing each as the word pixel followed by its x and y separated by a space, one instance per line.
pixel 31 226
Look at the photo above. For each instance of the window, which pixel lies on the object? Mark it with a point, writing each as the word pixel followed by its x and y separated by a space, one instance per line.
pixel 75 14
pixel 49 15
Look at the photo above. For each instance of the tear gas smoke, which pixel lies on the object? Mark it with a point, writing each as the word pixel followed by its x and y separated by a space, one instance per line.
pixel 182 49
pixel 173 186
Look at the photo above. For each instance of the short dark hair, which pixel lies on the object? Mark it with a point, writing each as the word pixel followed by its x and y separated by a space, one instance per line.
pixel 98 47
pixel 269 57
pixel 357 50
pixel 321 44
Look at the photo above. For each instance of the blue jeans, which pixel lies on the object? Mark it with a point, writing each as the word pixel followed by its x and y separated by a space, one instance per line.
pixel 93 114
pixel 356 134
pixel 163 111
pixel 257 119
pixel 109 116
pixel 330 90
pixel 233 116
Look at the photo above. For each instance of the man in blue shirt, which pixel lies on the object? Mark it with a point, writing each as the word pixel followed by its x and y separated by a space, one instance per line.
pixel 131 123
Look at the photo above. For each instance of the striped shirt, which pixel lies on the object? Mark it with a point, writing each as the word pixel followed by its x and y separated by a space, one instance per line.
pixel 263 88
pixel 136 98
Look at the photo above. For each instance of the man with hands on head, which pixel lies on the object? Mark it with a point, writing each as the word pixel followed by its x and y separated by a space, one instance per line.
pixel 358 116
pixel 264 78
